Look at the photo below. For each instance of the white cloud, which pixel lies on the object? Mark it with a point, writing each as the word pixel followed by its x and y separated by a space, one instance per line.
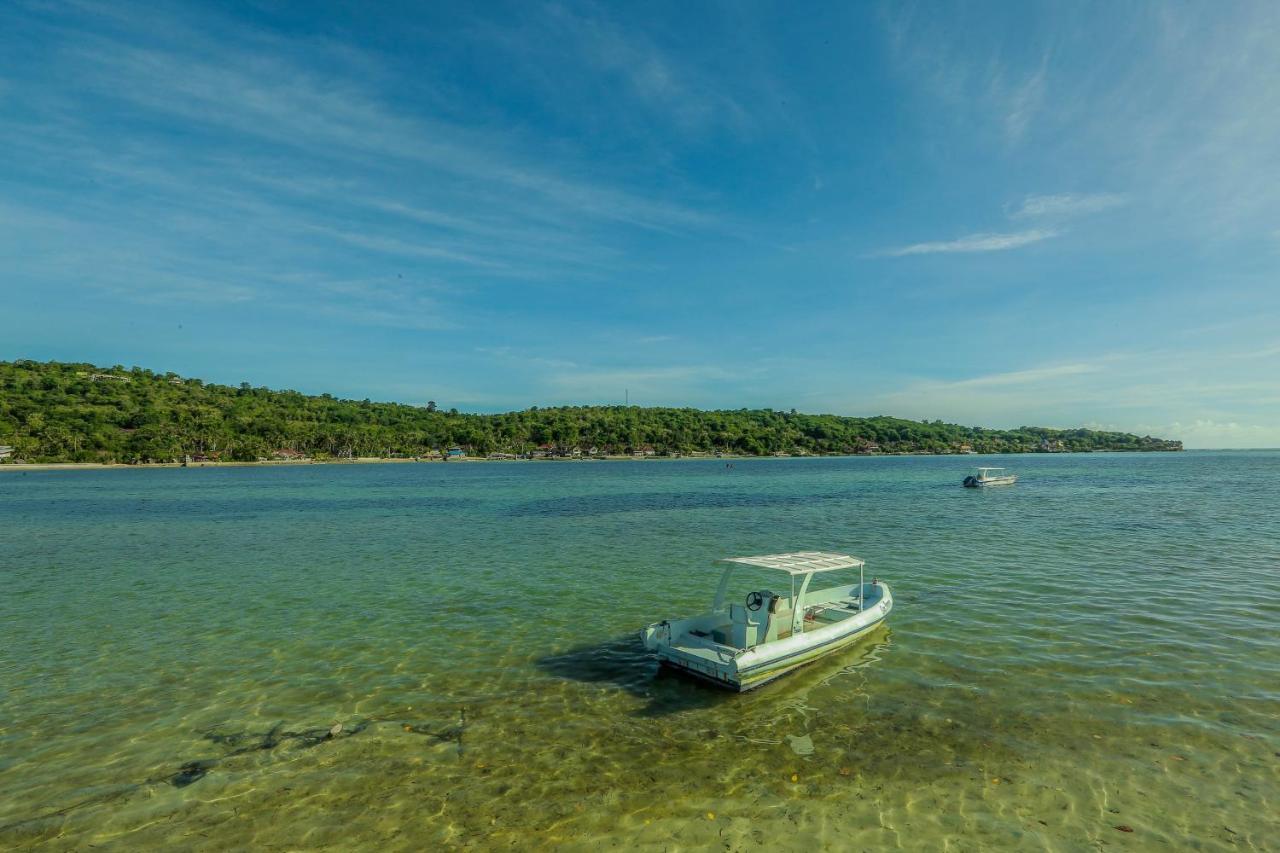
pixel 1206 433
pixel 974 243
pixel 1066 204
pixel 1050 207
pixel 1203 397
pixel 1025 377
pixel 1040 394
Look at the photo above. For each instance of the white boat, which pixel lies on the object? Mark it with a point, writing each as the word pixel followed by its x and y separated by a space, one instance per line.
pixel 743 645
pixel 984 477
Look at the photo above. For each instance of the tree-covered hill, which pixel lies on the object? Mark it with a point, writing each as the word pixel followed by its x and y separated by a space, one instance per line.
pixel 58 412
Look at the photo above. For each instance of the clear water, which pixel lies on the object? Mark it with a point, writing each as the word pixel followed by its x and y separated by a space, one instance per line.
pixel 1096 647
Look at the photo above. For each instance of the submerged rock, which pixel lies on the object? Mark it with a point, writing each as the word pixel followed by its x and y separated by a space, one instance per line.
pixel 192 771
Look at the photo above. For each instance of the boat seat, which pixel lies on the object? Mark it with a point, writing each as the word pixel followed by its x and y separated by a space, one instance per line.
pixel 746 630
pixel 779 625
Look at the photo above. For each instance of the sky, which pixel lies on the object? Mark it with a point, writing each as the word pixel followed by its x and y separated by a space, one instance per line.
pixel 993 214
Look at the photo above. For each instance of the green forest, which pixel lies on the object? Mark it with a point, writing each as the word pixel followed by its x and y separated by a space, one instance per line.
pixel 61 412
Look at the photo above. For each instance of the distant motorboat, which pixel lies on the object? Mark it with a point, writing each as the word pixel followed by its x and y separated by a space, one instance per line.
pixel 984 477
pixel 741 646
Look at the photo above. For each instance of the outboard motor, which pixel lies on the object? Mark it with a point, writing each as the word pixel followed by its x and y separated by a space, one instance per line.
pixel 971 482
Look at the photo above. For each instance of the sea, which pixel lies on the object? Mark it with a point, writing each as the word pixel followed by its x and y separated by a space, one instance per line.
pixel 446 656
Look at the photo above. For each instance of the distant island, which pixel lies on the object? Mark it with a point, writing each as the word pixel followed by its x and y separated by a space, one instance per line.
pixel 60 412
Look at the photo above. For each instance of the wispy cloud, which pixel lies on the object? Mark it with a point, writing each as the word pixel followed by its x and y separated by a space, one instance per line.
pixel 1004 96
pixel 1047 208
pixel 1265 352
pixel 654 76
pixel 297 167
pixel 648 385
pixel 1025 377
pixel 1002 394
pixel 415 249
pixel 391 305
pixel 513 358
pixel 973 243
pixel 1205 432
pixel 1020 101
pixel 1066 205
pixel 291 106
pixel 1202 396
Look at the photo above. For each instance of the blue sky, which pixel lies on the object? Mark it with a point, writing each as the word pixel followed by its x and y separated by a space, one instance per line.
pixel 995 214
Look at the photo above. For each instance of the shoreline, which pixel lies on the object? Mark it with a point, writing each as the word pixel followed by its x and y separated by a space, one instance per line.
pixel 380 460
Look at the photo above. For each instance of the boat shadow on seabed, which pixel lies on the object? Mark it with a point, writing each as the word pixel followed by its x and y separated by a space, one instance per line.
pixel 624 663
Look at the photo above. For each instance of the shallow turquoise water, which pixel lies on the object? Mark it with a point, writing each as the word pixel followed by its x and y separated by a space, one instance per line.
pixel 1095 647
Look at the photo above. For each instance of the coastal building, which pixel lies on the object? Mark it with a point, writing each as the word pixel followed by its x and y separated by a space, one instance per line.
pixel 288 454
pixel 643 451
pixel 455 453
pixel 5 451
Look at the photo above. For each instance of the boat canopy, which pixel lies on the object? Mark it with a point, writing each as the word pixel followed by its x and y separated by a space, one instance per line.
pixel 801 562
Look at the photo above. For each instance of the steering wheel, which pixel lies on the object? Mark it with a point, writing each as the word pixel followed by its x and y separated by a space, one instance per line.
pixel 754 601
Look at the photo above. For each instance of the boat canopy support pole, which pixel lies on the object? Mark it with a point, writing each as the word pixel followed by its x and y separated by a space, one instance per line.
pixel 797 607
pixel 861 580
pixel 723 589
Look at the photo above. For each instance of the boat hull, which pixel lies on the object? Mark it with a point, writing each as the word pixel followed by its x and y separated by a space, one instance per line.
pixel 975 483
pixel 741 671
pixel 756 678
